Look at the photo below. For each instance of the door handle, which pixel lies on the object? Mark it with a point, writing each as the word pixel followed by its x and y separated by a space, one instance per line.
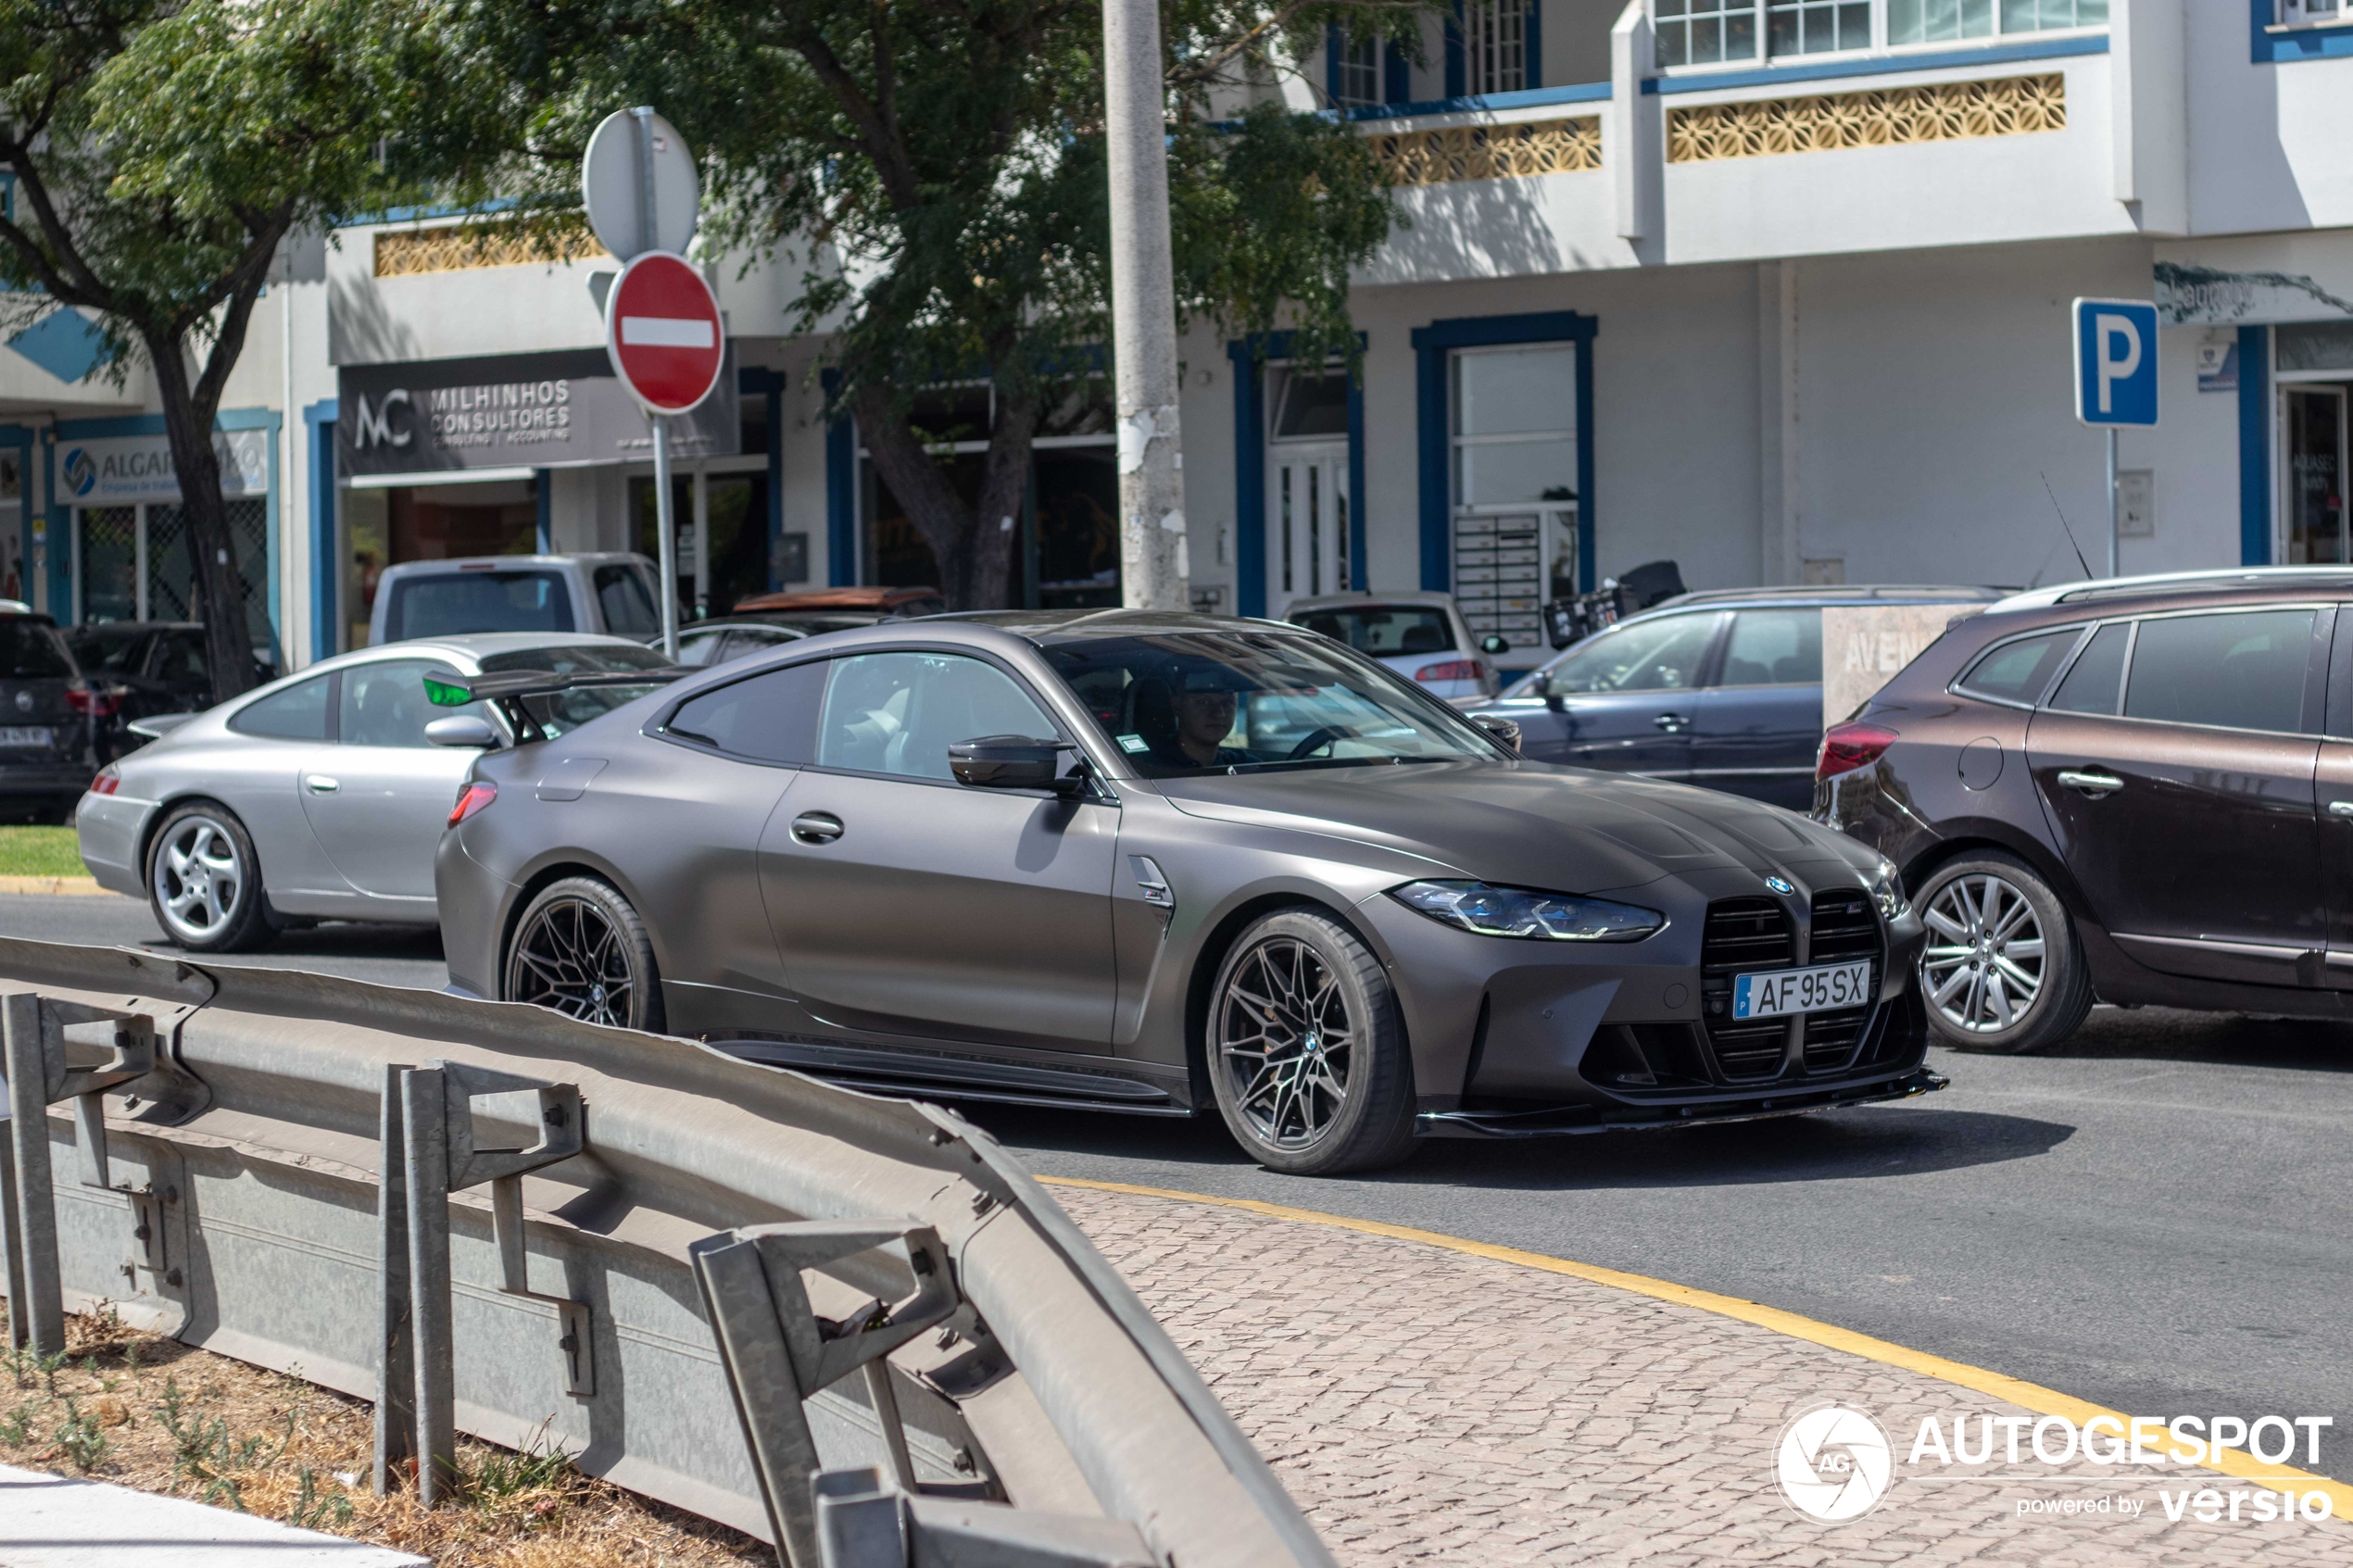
pixel 2090 781
pixel 816 827
pixel 318 783
pixel 2341 808
pixel 1671 722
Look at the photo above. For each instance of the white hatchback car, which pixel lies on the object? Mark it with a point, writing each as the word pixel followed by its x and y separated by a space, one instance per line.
pixel 316 797
pixel 1420 636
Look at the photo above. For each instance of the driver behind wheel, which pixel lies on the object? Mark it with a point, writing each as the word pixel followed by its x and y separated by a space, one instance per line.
pixel 1185 719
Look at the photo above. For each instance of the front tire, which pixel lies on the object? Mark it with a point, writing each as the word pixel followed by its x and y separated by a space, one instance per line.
pixel 1307 1053
pixel 204 881
pixel 580 950
pixel 2003 971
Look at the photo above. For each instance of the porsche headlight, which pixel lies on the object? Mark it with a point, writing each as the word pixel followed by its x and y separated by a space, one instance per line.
pixel 1517 911
pixel 1887 892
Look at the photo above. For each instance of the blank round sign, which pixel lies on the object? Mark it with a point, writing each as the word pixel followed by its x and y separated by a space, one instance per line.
pixel 664 331
pixel 611 186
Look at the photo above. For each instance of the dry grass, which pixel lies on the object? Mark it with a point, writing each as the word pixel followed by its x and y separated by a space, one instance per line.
pixel 140 1411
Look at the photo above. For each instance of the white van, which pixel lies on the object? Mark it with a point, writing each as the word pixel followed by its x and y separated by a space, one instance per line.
pixel 610 591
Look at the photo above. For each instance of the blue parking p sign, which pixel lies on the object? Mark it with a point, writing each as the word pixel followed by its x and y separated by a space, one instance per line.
pixel 2115 362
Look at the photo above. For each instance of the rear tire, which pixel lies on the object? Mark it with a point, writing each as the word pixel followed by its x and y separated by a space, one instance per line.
pixel 2003 971
pixel 1307 1050
pixel 204 881
pixel 580 950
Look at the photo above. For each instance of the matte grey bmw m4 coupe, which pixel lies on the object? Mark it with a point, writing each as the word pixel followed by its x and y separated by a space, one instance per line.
pixel 1160 862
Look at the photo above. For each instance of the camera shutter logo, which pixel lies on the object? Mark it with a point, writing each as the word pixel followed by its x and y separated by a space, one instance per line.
pixel 81 474
pixel 1834 1462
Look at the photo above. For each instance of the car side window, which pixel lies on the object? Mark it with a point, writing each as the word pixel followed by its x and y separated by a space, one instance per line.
pixel 627 607
pixel 1661 655
pixel 771 717
pixel 180 657
pixel 899 712
pixel 385 704
pixel 2236 671
pixel 1774 648
pixel 2019 672
pixel 298 713
pixel 699 648
pixel 2097 678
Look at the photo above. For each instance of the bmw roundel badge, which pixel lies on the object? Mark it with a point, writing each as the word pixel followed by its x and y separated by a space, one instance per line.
pixel 1779 884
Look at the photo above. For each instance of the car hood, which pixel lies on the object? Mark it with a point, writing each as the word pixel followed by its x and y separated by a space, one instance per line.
pixel 1529 824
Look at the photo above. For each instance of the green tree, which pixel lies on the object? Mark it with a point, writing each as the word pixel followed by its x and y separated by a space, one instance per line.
pixel 162 152
pixel 935 169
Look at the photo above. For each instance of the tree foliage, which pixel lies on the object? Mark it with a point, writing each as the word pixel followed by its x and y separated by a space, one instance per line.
pixel 936 170
pixel 163 150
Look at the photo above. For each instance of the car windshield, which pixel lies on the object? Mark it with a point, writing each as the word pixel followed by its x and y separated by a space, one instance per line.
pixel 460 602
pixel 562 712
pixel 101 648
pixel 29 650
pixel 1383 631
pixel 1212 702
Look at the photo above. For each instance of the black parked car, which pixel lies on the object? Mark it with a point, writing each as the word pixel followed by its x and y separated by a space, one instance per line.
pixel 47 713
pixel 1721 688
pixel 144 668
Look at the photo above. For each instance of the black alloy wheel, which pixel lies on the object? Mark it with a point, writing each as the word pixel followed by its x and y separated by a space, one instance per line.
pixel 580 950
pixel 1307 1055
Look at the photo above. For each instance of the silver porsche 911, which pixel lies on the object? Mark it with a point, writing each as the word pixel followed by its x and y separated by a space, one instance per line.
pixel 1159 862
pixel 320 796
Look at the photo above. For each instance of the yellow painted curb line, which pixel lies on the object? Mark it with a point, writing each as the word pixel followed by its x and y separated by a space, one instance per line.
pixel 72 886
pixel 2233 1463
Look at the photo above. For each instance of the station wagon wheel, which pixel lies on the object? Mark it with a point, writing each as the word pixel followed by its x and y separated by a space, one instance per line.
pixel 204 881
pixel 2002 970
pixel 1306 1056
pixel 580 950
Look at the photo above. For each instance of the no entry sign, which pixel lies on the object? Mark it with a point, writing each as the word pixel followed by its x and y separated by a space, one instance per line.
pixel 664 331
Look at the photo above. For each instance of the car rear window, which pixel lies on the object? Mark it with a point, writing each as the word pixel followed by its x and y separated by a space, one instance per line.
pixel 2019 672
pixel 29 650
pixel 1774 648
pixel 1383 630
pixel 460 602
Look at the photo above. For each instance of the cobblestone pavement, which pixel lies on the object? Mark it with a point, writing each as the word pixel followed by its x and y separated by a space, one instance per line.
pixel 1425 1406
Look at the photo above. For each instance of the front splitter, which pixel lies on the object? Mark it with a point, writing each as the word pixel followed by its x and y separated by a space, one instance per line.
pixel 1569 1120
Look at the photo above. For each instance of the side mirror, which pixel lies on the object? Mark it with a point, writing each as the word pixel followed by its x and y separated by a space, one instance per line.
pixel 1500 729
pixel 1493 644
pixel 464 730
pixel 1013 763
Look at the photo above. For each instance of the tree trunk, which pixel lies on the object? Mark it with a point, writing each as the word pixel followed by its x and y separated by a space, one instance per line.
pixel 974 555
pixel 212 549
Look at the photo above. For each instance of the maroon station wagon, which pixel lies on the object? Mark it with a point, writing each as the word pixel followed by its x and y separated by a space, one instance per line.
pixel 2139 790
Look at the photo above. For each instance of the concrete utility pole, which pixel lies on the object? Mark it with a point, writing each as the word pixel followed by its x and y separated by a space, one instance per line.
pixel 1152 559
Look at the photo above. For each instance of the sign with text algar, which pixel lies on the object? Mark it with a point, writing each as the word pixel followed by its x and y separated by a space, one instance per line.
pixel 2115 362
pixel 118 469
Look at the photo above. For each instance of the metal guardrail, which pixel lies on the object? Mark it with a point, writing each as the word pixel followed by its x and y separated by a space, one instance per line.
pixel 929 1363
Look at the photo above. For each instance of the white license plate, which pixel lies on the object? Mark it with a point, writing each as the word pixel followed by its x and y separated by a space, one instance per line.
pixel 27 736
pixel 1784 991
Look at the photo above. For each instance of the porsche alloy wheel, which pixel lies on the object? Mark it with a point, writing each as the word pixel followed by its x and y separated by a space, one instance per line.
pixel 1306 1056
pixel 581 951
pixel 204 881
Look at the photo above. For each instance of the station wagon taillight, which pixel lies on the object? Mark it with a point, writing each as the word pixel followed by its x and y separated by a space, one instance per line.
pixel 1848 746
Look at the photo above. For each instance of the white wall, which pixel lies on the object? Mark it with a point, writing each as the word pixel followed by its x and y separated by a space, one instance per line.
pixel 2268 142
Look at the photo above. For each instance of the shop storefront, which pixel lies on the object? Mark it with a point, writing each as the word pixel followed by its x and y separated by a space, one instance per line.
pixel 517 454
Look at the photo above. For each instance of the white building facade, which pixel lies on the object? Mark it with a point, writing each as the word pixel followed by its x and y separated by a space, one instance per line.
pixel 1776 289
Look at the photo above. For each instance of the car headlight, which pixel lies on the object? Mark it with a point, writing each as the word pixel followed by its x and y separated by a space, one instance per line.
pixel 1517 911
pixel 1887 892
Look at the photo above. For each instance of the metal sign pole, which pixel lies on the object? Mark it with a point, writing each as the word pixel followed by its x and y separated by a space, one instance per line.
pixel 2112 524
pixel 668 534
pixel 665 525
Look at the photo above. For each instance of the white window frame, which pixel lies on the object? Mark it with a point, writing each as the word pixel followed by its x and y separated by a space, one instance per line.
pixel 1494 46
pixel 2313 13
pixel 1356 73
pixel 1761 13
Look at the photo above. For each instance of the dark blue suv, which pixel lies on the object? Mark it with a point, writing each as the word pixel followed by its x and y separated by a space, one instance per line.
pixel 1721 688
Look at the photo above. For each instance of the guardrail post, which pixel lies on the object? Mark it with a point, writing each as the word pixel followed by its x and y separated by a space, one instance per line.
pixel 396 1345
pixel 864 1522
pixel 439 1156
pixel 777 1351
pixel 36 1298
pixel 424 1136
